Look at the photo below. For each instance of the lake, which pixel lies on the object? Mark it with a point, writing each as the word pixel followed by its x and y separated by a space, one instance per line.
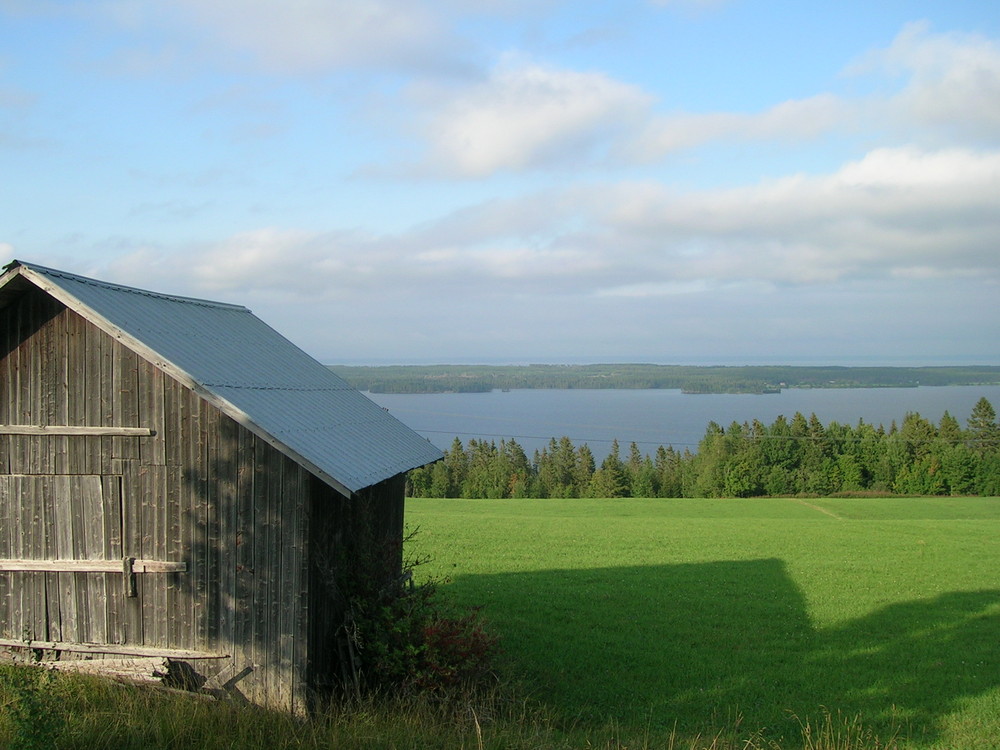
pixel 657 417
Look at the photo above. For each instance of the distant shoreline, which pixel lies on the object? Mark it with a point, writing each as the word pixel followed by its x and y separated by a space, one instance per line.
pixel 690 379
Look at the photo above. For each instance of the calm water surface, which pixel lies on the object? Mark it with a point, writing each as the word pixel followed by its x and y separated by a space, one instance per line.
pixel 657 417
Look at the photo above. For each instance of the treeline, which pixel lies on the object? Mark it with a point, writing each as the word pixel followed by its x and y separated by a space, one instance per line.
pixel 691 379
pixel 800 456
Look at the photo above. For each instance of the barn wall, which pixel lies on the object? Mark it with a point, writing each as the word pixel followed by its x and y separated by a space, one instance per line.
pixel 203 490
pixel 350 538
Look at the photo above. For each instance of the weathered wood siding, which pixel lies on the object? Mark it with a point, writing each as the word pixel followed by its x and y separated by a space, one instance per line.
pixel 203 490
pixel 360 536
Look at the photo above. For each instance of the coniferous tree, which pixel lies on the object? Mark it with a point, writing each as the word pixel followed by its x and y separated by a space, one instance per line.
pixel 984 434
pixel 710 463
pixel 519 469
pixel 610 480
pixel 669 474
pixel 583 471
pixel 457 463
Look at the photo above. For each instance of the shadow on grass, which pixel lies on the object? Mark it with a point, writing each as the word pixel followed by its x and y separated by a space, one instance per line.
pixel 697 645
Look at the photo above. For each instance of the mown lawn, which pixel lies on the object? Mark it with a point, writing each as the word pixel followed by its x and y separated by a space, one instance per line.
pixel 693 615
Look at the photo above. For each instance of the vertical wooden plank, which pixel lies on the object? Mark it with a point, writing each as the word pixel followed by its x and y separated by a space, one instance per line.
pixel 62 547
pixel 169 511
pixel 90 546
pixel 15 626
pixel 197 528
pixel 160 595
pixel 111 494
pixel 246 545
pixel 262 570
pixel 281 488
pixel 133 492
pixel 5 396
pixel 55 583
pixel 70 502
pixel 110 373
pixel 115 367
pixel 185 532
pixel 126 405
pixel 8 340
pixel 140 489
pixel 267 582
pixel 227 474
pixel 47 392
pixel 94 395
pixel 299 590
pixel 6 524
pixel 296 649
pixel 24 381
pixel 33 377
pixel 152 450
pixel 19 550
pixel 62 369
pixel 150 487
pixel 76 409
pixel 13 360
pixel 41 550
pixel 208 624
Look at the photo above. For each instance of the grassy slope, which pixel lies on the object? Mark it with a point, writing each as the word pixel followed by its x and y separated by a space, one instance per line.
pixel 689 613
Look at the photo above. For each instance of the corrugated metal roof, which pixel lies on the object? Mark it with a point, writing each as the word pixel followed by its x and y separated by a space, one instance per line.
pixel 269 384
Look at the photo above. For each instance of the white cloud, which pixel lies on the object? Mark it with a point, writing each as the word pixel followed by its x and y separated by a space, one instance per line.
pixel 954 81
pixel 895 212
pixel 942 88
pixel 796 119
pixel 297 35
pixel 526 116
pixel 292 36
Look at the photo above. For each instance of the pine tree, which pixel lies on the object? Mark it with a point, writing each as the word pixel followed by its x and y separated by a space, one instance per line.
pixel 983 431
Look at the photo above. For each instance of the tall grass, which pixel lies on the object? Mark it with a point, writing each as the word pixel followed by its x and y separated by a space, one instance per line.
pixel 89 713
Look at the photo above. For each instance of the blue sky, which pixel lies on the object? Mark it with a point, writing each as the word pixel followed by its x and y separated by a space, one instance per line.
pixel 678 181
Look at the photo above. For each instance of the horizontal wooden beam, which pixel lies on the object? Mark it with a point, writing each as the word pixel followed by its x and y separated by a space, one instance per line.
pixel 111 648
pixel 71 430
pixel 143 669
pixel 93 566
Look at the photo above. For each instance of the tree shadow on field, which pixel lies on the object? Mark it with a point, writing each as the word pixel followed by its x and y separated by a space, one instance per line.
pixel 696 646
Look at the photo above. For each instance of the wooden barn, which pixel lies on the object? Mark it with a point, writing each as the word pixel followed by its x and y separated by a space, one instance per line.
pixel 178 482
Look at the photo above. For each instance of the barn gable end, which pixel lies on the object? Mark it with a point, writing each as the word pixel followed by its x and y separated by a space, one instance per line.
pixel 142 512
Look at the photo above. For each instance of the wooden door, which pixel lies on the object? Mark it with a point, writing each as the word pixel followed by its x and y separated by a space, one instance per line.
pixel 61 558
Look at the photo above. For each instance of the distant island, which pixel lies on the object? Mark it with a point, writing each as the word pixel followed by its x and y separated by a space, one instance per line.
pixel 689 379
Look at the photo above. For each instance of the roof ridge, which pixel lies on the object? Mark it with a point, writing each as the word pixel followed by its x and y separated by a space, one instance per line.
pixel 45 271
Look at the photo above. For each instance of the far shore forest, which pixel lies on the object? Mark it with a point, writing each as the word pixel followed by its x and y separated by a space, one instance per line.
pixel 690 379
pixel 799 456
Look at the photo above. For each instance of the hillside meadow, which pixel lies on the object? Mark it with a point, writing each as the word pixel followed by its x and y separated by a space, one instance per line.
pixel 693 616
pixel 753 624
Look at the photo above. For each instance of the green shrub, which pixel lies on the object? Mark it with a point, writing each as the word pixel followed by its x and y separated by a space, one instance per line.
pixel 29 708
pixel 401 637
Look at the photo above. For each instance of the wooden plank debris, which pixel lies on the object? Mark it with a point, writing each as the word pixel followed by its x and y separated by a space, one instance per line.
pixel 136 669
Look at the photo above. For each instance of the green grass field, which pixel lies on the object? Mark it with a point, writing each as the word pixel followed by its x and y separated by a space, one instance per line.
pixel 696 615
